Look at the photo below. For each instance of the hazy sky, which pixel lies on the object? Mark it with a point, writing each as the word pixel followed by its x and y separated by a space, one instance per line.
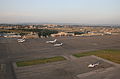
pixel 60 11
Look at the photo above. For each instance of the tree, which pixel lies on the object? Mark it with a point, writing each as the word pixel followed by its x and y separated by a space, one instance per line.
pixel 46 32
pixel 22 34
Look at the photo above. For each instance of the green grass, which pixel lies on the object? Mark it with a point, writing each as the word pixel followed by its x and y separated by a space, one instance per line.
pixel 109 54
pixel 39 61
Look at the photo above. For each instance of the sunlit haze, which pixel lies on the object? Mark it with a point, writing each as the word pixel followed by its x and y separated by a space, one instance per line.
pixel 60 11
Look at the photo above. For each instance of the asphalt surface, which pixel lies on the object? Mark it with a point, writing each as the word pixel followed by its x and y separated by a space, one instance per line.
pixel 59 70
pixel 12 51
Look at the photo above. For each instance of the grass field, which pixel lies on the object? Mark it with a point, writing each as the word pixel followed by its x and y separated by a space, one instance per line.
pixel 109 54
pixel 39 61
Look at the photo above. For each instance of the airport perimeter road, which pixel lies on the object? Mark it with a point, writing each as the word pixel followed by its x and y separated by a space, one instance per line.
pixel 12 51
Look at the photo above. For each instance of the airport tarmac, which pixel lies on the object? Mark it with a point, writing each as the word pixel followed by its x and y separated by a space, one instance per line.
pixel 12 51
pixel 38 47
pixel 68 69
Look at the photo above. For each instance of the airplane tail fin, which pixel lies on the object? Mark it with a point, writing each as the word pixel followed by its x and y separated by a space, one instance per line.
pixel 55 40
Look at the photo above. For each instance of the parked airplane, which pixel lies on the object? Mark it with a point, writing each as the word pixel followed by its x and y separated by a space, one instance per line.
pixel 93 65
pixel 51 41
pixel 21 40
pixel 56 45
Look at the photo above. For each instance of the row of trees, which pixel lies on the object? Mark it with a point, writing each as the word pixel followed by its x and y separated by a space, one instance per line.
pixel 78 33
pixel 5 32
pixel 41 32
pixel 46 32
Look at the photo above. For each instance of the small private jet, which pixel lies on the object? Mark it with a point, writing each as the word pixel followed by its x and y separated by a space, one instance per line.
pixel 93 65
pixel 21 40
pixel 51 41
pixel 57 45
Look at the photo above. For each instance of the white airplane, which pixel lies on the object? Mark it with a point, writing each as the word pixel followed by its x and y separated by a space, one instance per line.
pixel 51 41
pixel 56 45
pixel 93 65
pixel 21 40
